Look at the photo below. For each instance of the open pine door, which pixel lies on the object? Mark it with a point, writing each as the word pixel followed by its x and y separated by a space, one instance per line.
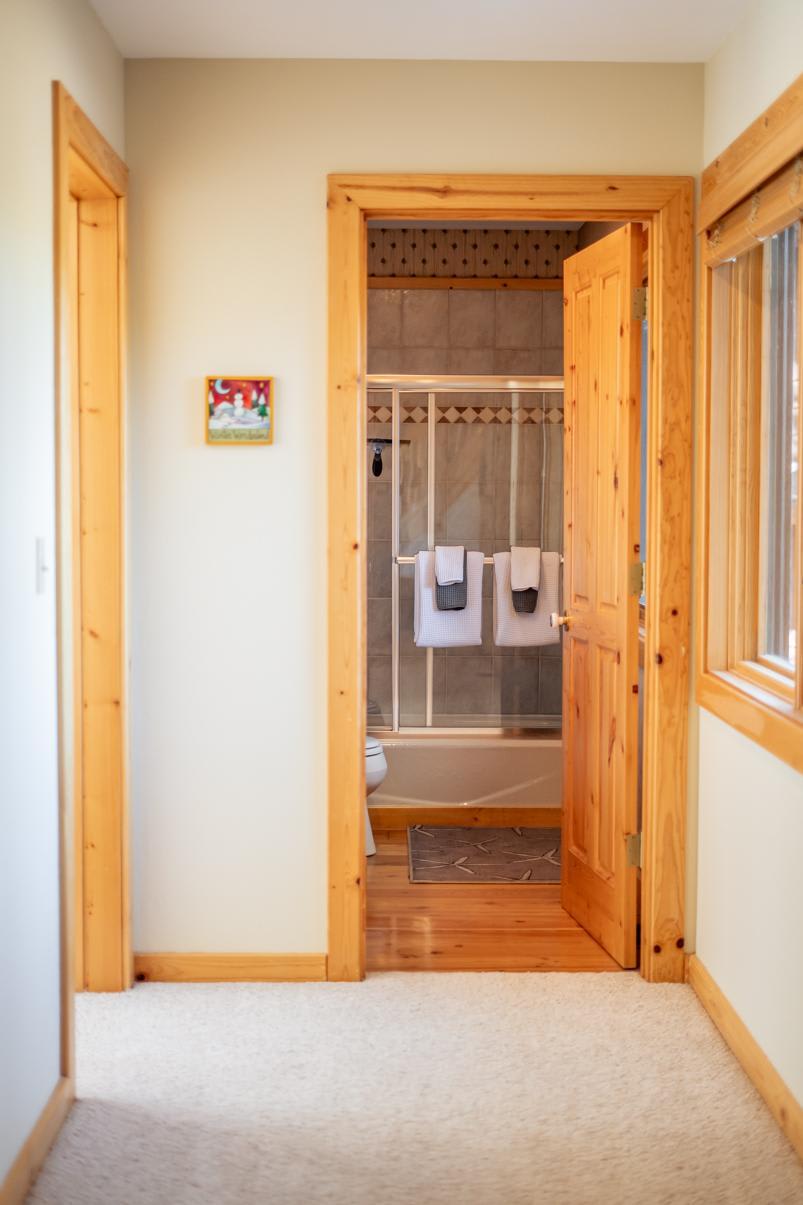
pixel 601 535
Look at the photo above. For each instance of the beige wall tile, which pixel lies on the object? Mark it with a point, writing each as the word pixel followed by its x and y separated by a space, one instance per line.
pixel 424 361
pixel 439 686
pixel 550 687
pixel 379 509
pixel 384 318
pixel 379 625
pixel 412 518
pixel 551 362
pixel 502 511
pixel 471 453
pixel 503 440
pixel 469 685
pixel 470 361
pixel 552 321
pixel 515 685
pixel 528 513
pixel 413 463
pixel 413 687
pixel 379 569
pixel 469 512
pixel 385 359
pixel 518 319
pixel 380 688
pixel 472 318
pixel 407 647
pixel 518 362
pixel 425 318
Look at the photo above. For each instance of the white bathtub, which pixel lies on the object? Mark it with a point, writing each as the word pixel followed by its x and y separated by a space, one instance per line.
pixel 458 771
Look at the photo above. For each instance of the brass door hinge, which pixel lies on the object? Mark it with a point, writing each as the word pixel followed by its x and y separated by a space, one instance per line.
pixel 637 583
pixel 640 299
pixel 633 849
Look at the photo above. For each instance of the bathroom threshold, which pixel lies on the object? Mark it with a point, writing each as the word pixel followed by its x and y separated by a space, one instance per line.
pixel 468 927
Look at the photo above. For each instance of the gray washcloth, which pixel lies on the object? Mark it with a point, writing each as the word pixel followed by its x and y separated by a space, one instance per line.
pixel 454 597
pixel 524 601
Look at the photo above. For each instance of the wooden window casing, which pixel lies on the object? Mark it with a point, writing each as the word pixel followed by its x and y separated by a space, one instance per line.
pixel 759 693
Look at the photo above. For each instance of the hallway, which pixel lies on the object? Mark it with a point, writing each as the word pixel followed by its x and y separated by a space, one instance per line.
pixel 428 1088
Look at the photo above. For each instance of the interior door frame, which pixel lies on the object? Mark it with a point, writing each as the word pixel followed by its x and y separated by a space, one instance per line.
pixel 95 893
pixel 666 203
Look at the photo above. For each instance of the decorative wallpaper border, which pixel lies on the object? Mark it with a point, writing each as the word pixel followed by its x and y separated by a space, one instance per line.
pixel 499 415
pixel 471 253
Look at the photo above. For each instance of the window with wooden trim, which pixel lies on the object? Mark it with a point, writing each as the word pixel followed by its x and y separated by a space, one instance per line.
pixel 751 511
pixel 755 397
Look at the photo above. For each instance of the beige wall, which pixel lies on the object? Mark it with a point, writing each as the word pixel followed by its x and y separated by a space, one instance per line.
pixel 761 58
pixel 750 889
pixel 42 40
pixel 228 274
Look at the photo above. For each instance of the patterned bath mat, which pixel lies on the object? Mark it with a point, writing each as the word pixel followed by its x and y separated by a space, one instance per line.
pixel 483 855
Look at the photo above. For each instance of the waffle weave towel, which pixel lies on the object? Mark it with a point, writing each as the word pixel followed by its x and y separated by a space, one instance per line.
pixel 446 629
pixel 519 630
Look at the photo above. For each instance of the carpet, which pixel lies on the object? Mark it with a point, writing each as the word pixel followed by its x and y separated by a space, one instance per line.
pixel 443 854
pixel 493 1089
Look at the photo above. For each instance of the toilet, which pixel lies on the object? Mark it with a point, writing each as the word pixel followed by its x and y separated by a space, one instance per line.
pixel 376 767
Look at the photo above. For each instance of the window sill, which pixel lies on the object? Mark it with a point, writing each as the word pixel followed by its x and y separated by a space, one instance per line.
pixel 770 721
pixel 776 686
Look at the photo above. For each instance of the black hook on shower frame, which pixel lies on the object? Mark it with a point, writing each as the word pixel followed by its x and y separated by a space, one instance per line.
pixel 378 445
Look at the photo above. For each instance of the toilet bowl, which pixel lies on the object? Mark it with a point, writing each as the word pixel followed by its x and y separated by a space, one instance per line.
pixel 376 767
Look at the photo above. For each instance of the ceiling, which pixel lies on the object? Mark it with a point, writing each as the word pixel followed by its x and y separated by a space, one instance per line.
pixel 575 30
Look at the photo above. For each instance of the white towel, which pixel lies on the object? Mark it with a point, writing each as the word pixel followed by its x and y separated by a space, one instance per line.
pixel 513 628
pixel 446 629
pixel 448 565
pixel 525 568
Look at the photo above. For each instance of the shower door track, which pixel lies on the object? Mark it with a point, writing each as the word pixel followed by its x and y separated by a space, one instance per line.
pixel 432 386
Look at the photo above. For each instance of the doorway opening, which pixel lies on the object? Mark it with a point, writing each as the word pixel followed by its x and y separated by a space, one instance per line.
pixel 663 207
pixel 468 816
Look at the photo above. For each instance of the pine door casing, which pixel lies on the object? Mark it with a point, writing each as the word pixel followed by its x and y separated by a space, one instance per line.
pixel 91 184
pixel 665 204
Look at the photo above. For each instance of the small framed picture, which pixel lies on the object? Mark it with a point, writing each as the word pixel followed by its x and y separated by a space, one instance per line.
pixel 239 410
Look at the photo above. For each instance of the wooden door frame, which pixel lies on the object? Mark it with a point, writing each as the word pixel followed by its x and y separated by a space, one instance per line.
pixel 86 168
pixel 666 203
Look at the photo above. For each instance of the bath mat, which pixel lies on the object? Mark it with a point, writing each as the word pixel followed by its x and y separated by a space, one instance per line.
pixel 440 854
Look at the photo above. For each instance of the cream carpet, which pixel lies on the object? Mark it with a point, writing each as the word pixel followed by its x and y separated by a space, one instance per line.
pixel 449 1089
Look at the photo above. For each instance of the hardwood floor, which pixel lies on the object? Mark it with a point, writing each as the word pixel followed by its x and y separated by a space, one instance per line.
pixel 468 927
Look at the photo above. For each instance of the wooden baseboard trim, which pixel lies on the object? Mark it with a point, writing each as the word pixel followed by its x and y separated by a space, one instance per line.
pixel 229 968
pixel 28 1162
pixel 386 818
pixel 786 1110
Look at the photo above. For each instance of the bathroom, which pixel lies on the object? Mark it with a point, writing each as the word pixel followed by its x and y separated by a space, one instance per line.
pixel 465 448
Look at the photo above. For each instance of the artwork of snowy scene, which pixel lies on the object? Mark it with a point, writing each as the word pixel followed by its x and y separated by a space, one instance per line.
pixel 239 410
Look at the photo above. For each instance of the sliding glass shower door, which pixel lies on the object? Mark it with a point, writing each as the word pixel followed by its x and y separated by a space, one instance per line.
pixel 477 462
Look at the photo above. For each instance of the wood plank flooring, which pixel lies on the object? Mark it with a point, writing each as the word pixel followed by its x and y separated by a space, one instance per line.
pixel 468 927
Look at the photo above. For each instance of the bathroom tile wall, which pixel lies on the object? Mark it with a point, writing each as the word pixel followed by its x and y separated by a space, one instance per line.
pixel 472 331
pixel 496 483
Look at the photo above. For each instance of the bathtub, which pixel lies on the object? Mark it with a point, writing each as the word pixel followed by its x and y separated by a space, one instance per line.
pixel 461 771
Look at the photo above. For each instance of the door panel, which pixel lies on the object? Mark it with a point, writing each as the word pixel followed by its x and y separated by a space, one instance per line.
pixel 600 648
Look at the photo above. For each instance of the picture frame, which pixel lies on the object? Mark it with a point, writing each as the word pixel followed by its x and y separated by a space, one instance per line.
pixel 239 410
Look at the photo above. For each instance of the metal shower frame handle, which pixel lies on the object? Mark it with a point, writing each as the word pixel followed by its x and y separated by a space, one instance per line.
pixel 432 386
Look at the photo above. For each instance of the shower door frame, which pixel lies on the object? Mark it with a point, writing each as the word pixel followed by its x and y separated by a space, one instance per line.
pixel 434 386
pixel 666 205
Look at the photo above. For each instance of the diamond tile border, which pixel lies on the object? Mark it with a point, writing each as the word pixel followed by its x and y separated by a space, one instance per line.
pixel 491 415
